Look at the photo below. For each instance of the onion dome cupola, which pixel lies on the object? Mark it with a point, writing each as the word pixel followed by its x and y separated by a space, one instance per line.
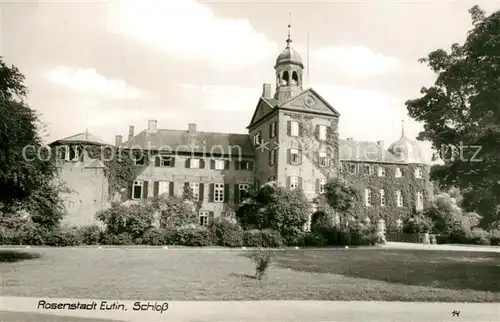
pixel 406 150
pixel 289 69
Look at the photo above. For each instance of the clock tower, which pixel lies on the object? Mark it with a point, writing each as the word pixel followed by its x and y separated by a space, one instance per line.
pixel 289 69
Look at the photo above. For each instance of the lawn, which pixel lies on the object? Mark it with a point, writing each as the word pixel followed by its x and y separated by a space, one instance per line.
pixel 224 274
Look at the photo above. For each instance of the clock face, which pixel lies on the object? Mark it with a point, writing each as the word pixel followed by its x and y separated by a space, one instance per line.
pixel 309 101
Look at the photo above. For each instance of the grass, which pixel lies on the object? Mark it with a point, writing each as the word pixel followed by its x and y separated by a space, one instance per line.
pixel 214 274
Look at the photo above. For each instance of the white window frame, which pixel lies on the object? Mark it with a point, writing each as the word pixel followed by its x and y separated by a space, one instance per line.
pixel 351 167
pixel 368 197
pixel 194 163
pixel 163 187
pixel 273 130
pixel 398 173
pixel 166 161
pixel 420 201
pixel 294 183
pixel 323 159
pixel 322 132
pixel 322 183
pixel 195 189
pixel 137 183
pixel 203 217
pixel 219 164
pixel 382 198
pixel 218 192
pixel 399 198
pixel 272 157
pixel 370 168
pixel 296 152
pixel 418 173
pixel 257 138
pixel 294 128
pixel 381 171
pixel 246 164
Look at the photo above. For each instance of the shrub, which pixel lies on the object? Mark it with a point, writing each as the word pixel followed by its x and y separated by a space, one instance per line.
pixel 153 237
pixel 90 234
pixel 119 239
pixel 312 239
pixel 262 259
pixel 134 220
pixel 495 237
pixel 227 233
pixel 262 238
pixel 479 237
pixel 193 235
pixel 417 224
pixel 363 234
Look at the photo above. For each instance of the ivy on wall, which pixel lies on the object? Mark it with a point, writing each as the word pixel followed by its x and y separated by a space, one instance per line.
pixel 408 184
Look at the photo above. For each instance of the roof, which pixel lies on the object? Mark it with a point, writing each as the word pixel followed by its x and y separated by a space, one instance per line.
pixel 289 55
pixel 365 151
pixel 84 137
pixel 407 150
pixel 198 142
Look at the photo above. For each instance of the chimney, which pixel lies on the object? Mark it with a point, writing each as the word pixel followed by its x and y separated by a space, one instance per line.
pixel 118 140
pixel 152 125
pixel 266 91
pixel 130 132
pixel 350 139
pixel 192 127
pixel 380 143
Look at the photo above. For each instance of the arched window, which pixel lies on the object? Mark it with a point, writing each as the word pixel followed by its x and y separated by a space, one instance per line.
pixel 285 78
pixel 295 78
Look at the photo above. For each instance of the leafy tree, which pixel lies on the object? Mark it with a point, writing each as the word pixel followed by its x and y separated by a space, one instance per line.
pixel 174 211
pixel 274 207
pixel 461 115
pixel 133 220
pixel 341 197
pixel 26 178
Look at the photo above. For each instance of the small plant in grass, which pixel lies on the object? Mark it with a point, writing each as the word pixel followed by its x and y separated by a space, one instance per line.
pixel 262 259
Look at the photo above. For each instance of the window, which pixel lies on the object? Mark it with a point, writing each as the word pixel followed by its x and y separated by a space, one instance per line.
pixel 244 165
pixel 369 169
pixel 353 168
pixel 323 159
pixel 219 164
pixel 368 197
pixel 398 173
pixel 194 163
pixel 195 189
pixel 382 197
pixel 64 153
pixel 272 157
pixel 322 132
pixel 294 183
pixel 381 172
pixel 399 198
pixel 420 201
pixel 272 178
pixel 163 187
pixel 257 138
pixel 139 160
pixel 219 192
pixel 272 130
pixel 419 173
pixel 295 156
pixel 204 218
pixel 166 161
pixel 294 128
pixel 322 183
pixel 137 189
pixel 243 190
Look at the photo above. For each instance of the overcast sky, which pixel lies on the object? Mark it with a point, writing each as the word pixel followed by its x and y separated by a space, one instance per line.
pixel 105 65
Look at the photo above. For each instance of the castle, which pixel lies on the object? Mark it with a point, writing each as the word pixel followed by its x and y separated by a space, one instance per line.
pixel 292 139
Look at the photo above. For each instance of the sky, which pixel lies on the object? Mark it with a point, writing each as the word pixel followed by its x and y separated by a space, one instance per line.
pixel 104 65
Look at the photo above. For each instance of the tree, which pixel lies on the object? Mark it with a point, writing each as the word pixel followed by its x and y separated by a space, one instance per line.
pixel 27 169
pixel 274 207
pixel 174 211
pixel 133 220
pixel 341 197
pixel 461 115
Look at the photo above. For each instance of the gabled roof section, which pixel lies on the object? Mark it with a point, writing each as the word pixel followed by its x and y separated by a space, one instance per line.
pixel 264 107
pixel 84 137
pixel 198 142
pixel 319 106
pixel 364 151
